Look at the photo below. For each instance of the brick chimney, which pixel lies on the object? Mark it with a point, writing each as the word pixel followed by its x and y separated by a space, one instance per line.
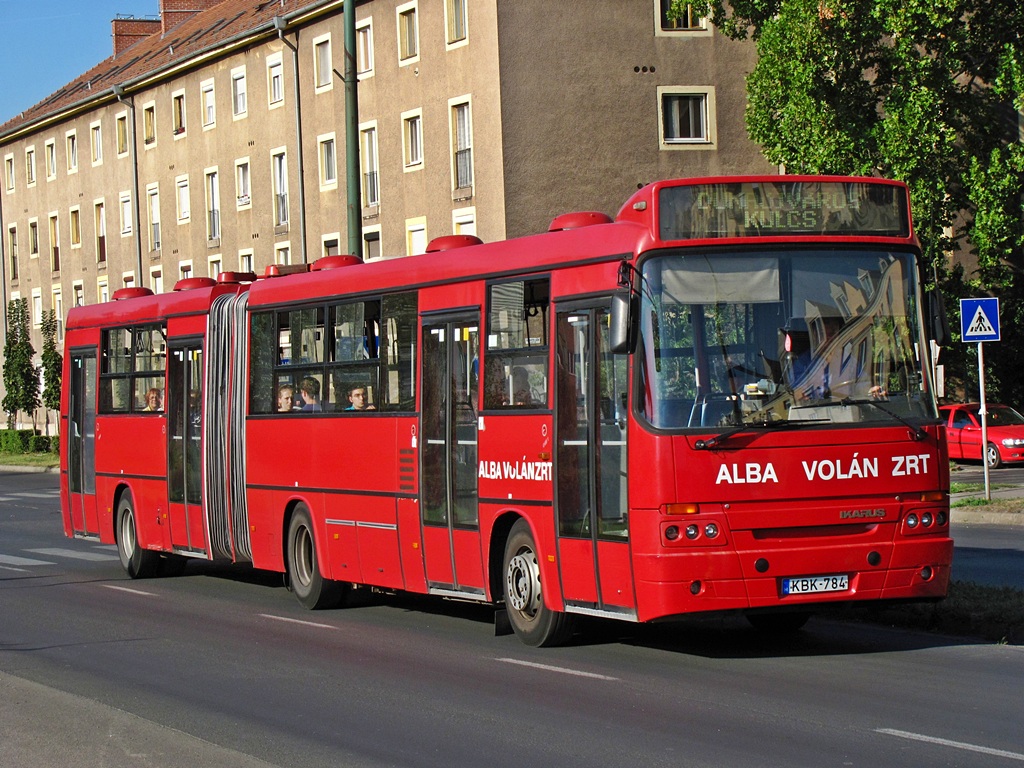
pixel 128 30
pixel 174 12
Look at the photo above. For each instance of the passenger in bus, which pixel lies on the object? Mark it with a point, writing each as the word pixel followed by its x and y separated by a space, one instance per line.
pixel 154 400
pixel 521 393
pixel 285 398
pixel 309 391
pixel 358 399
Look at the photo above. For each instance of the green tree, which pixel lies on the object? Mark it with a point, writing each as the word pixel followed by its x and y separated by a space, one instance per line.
pixel 21 380
pixel 925 91
pixel 53 364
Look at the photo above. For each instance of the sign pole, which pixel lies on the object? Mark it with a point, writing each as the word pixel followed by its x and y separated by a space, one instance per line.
pixel 983 412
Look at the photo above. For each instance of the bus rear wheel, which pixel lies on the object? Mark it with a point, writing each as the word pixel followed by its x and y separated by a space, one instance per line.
pixel 137 562
pixel 304 576
pixel 533 622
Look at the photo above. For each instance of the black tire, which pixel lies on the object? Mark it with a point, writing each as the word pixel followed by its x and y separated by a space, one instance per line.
pixel 137 562
pixel 779 623
pixel 304 576
pixel 992 456
pixel 533 622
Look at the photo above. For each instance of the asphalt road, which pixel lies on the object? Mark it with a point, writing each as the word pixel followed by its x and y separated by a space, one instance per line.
pixel 221 667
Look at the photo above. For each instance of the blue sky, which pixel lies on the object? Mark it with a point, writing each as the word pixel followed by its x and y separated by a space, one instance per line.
pixel 48 43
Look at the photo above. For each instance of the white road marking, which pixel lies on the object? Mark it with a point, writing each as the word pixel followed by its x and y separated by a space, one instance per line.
pixel 129 589
pixel 955 744
pixel 75 554
pixel 560 670
pixel 297 621
pixel 13 560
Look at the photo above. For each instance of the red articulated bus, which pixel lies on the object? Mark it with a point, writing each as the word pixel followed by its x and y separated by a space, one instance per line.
pixel 718 401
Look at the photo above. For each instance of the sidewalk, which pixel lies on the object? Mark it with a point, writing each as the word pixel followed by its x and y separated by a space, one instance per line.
pixel 984 515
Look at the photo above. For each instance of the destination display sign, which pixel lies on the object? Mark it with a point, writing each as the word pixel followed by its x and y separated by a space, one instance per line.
pixel 783 207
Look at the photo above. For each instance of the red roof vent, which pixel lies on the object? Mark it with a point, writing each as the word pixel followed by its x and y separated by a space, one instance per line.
pixel 236 277
pixel 279 270
pixel 451 242
pixel 135 292
pixel 335 262
pixel 191 283
pixel 578 219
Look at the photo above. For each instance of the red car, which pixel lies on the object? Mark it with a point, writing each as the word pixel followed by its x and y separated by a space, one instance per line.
pixel 1005 433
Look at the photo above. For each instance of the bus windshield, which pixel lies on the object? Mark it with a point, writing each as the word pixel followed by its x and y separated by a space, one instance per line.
pixel 827 335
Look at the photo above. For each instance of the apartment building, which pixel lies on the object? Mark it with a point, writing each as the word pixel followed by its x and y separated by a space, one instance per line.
pixel 213 139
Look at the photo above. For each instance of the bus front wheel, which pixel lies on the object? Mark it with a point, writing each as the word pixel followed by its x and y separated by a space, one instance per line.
pixel 137 562
pixel 304 576
pixel 533 622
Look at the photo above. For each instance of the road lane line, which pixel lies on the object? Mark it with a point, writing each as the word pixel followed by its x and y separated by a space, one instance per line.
pixel 560 670
pixel 74 554
pixel 297 621
pixel 955 744
pixel 129 589
pixel 14 560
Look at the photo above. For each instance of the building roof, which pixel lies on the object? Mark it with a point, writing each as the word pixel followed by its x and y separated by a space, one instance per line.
pixel 201 33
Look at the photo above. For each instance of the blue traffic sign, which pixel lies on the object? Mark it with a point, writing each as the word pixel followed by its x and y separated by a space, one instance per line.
pixel 979 319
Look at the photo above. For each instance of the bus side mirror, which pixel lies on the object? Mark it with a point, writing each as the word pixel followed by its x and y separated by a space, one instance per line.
pixel 622 334
pixel 937 317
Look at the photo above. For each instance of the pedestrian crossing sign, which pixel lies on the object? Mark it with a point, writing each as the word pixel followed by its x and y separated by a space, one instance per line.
pixel 979 320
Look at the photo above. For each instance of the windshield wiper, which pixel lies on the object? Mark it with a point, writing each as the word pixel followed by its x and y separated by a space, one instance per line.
pixel 916 432
pixel 712 442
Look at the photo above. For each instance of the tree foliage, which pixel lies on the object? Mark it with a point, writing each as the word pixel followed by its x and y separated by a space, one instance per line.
pixel 925 91
pixel 21 380
pixel 53 363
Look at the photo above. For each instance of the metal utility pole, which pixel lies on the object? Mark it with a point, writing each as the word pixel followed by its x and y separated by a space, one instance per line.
pixel 355 204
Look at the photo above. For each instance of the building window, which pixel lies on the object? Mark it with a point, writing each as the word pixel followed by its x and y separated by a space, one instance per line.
pixel 371 244
pixel 37 307
pixel 687 117
pixel 364 48
pixel 462 146
pixel 464 221
pixel 212 206
pixel 126 213
pixel 412 139
pixel 78 291
pixel 239 103
pixel 149 124
pixel 208 104
pixel 71 139
pixel 9 172
pixel 184 198
pixel 33 238
pixel 415 236
pixel 279 168
pixel 332 245
pixel 275 81
pixel 322 63
pixel 178 113
pixel 213 265
pixel 57 303
pixel 282 253
pixel 328 163
pixel 455 13
pixel 121 131
pixel 30 166
pixel 408 34
pixel 75 218
pixel 153 208
pixel 96 142
pixel 243 188
pixel 156 280
pixel 54 243
pixel 12 250
pixel 185 270
pixel 245 261
pixel 687 21
pixel 50 153
pixel 102 290
pixel 100 221
pixel 368 161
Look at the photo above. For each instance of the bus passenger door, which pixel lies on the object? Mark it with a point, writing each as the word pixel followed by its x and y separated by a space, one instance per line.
pixel 82 444
pixel 590 489
pixel 184 447
pixel 448 473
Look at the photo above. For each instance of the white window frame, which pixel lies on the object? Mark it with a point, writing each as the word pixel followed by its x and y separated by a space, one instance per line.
pixel 184 269
pixel 244 255
pixel 33 238
pixel 153 216
pixel 416 233
pixel 401 20
pixel 371 230
pixel 216 261
pixel 412 140
pixel 464 221
pixel 99 221
pixel 275 73
pixel 50 158
pixel 323 64
pixel 284 247
pixel 327 158
pixel 125 208
pixel 149 131
pixel 9 172
pixel 183 199
pixel 243 184
pixel 156 279
pixel 369 159
pixel 239 93
pixel 364 48
pixel 703 30
pixel 330 237
pixel 71 150
pixel 75 223
pixel 102 290
pixel 710 138
pixel 121 129
pixel 30 166
pixel 451 13
pixel 279 181
pixel 208 104
pixel 37 307
pixel 179 114
pixel 96 142
pixel 57 305
pixel 455 139
pixel 213 209
pixel 78 291
pixel 53 229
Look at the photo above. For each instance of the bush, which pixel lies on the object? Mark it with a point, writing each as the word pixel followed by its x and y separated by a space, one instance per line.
pixel 40 443
pixel 16 440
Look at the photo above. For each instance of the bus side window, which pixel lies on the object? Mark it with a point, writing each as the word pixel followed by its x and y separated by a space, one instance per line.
pixel 516 358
